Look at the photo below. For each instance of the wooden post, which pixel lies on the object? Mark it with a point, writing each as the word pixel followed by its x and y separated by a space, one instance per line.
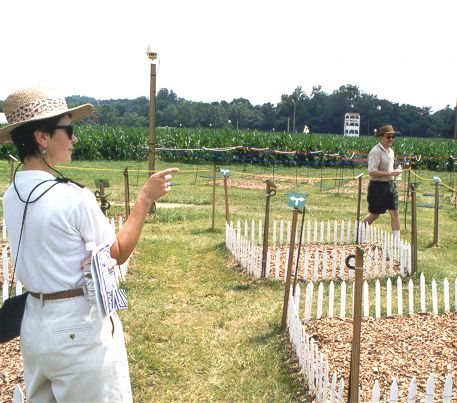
pixel 126 192
pixel 227 210
pixel 152 127
pixel 408 189
pixel 451 162
pixel 11 161
pixel 102 197
pixel 298 252
pixel 353 393
pixel 270 191
pixel 100 194
pixel 213 215
pixel 435 218
pixel 359 200
pixel 289 268
pixel 413 229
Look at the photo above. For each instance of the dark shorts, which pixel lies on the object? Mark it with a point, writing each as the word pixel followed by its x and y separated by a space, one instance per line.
pixel 382 196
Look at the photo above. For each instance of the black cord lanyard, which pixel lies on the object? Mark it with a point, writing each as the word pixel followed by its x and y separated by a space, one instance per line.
pixel 60 179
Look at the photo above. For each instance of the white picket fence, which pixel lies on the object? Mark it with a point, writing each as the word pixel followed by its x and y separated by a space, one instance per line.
pixel 381 296
pixel 120 270
pixel 314 367
pixel 317 232
pixel 323 263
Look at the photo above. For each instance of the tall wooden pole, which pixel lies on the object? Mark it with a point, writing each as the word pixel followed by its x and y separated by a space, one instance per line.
pixel 436 211
pixel 359 200
pixel 126 192
pixel 413 229
pixel 152 111
pixel 213 215
pixel 289 268
pixel 227 209
pixel 353 395
pixel 353 388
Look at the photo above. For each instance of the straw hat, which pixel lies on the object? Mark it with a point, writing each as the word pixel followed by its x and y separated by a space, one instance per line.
pixel 37 103
pixel 387 129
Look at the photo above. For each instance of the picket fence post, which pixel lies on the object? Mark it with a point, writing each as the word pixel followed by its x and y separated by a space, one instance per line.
pixel 429 391
pixel 343 300
pixel 447 393
pixel 305 266
pixel 412 391
pixel 422 292
pixel 446 295
pixel 18 396
pixel 399 296
pixel 389 297
pixel 331 297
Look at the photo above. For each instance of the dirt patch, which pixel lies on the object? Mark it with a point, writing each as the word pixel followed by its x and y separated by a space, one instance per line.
pixel 400 347
pixel 258 181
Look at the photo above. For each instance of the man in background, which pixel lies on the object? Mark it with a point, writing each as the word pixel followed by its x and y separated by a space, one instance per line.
pixel 382 190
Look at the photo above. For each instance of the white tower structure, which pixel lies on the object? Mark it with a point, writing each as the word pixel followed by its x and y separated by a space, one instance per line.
pixel 352 124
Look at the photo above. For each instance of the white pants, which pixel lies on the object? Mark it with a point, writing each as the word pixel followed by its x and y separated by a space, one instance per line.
pixel 71 355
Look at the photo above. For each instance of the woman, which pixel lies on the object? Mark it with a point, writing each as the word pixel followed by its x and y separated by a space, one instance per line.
pixel 70 354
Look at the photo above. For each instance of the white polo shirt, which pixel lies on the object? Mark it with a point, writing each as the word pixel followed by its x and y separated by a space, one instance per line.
pixel 381 159
pixel 56 229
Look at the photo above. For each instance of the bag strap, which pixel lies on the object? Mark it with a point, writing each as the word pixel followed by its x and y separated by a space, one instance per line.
pixel 27 202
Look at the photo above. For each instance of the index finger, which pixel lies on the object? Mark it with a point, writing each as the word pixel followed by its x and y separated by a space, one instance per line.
pixel 167 171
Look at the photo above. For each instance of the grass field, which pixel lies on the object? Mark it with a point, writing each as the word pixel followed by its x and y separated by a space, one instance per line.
pixel 197 328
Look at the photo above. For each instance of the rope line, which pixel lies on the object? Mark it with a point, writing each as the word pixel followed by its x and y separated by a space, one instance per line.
pixel 285 177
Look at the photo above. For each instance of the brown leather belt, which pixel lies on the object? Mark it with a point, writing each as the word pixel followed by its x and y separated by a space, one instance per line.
pixel 58 295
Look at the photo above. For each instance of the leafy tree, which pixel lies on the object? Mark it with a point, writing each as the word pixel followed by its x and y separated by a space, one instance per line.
pixel 321 112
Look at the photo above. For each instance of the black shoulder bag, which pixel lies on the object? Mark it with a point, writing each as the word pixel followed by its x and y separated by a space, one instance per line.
pixel 12 310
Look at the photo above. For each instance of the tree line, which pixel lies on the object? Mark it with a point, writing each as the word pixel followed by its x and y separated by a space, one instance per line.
pixel 319 111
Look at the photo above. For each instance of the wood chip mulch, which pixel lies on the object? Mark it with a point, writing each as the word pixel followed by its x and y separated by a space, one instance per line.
pixel 348 249
pixel 399 347
pixel 11 369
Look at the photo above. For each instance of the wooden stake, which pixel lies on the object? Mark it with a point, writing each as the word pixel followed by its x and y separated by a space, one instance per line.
pixel 11 169
pixel 126 192
pixel 353 396
pixel 359 200
pixel 213 216
pixel 227 210
pixel 435 219
pixel 270 191
pixel 413 229
pixel 289 268
pixel 408 188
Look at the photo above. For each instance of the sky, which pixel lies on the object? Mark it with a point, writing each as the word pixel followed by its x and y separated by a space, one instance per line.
pixel 404 51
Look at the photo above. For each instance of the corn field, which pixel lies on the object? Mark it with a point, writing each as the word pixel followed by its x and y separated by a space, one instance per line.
pixel 118 143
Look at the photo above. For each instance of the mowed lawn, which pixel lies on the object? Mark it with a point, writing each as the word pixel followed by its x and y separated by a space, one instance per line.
pixel 197 328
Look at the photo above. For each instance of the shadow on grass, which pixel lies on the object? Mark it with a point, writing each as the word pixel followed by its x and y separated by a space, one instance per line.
pixel 432 245
pixel 207 231
pixel 221 247
pixel 268 335
pixel 254 284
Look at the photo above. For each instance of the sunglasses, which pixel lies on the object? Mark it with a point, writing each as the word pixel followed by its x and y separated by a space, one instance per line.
pixel 390 137
pixel 68 129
